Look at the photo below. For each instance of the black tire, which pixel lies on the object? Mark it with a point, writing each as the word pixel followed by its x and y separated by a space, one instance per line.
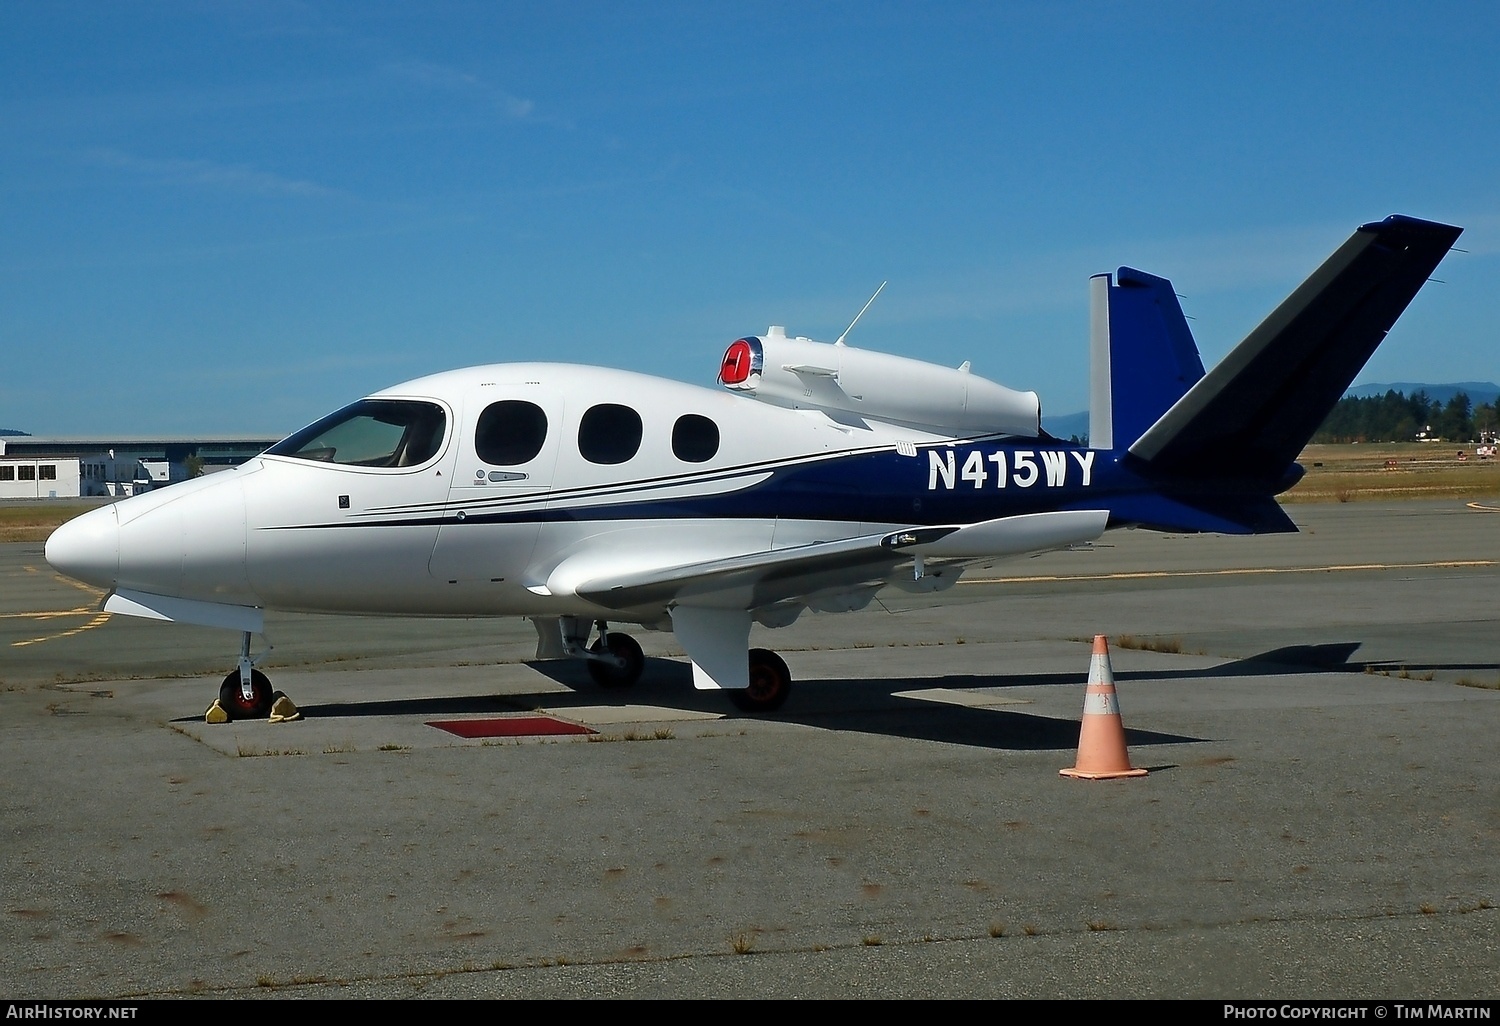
pixel 770 683
pixel 607 675
pixel 233 701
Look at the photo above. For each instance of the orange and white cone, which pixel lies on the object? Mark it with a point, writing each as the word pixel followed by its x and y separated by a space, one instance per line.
pixel 1101 741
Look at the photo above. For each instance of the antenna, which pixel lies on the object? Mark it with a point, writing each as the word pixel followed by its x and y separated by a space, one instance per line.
pixel 840 340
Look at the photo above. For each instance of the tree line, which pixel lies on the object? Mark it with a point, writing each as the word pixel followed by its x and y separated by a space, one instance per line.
pixel 1395 417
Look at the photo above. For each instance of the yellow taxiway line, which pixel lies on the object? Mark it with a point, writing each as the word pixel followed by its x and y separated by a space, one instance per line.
pixel 99 617
pixel 97 621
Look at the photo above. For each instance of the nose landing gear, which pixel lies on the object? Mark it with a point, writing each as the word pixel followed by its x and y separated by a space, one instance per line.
pixel 246 692
pixel 239 706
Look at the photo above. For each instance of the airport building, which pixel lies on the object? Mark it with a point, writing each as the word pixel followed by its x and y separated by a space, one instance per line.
pixel 33 467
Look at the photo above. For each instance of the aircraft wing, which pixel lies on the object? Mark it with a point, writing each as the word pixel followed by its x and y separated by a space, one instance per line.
pixel 759 579
pixel 712 602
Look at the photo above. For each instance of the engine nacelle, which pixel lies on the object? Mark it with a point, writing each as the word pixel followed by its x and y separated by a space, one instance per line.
pixel 802 374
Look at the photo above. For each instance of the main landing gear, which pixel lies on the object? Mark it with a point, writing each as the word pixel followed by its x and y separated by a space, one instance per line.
pixel 618 659
pixel 615 660
pixel 770 683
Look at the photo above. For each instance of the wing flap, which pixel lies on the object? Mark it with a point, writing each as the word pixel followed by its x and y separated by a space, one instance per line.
pixel 1007 536
pixel 743 581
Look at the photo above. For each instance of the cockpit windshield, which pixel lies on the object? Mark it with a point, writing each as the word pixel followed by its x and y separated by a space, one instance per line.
pixel 371 433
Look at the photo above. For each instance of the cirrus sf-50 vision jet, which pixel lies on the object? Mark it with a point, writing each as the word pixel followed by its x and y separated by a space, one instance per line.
pixel 817 475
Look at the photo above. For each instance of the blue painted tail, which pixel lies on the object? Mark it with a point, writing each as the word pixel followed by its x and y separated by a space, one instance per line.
pixel 1142 355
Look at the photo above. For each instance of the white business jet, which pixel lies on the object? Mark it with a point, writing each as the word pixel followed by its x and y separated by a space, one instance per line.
pixel 819 474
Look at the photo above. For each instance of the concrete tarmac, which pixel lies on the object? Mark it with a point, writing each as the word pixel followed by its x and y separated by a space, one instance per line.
pixel 1321 820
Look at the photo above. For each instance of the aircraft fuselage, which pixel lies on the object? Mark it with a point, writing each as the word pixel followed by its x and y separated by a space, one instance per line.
pixel 476 530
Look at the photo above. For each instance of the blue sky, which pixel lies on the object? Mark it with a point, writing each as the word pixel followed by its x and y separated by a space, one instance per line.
pixel 237 216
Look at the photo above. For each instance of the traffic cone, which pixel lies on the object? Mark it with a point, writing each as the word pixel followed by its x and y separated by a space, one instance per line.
pixel 1101 740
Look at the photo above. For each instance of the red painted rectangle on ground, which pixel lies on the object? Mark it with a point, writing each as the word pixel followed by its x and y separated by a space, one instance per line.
pixel 509 726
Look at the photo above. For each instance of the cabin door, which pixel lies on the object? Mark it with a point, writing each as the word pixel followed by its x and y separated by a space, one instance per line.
pixel 507 451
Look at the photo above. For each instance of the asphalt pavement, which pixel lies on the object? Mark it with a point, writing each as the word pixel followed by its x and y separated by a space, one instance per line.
pixel 1321 819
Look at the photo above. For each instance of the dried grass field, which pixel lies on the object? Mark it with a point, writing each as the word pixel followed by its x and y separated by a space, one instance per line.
pixel 24 520
pixel 1394 470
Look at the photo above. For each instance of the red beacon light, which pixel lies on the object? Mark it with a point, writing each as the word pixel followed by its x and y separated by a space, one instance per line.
pixel 740 361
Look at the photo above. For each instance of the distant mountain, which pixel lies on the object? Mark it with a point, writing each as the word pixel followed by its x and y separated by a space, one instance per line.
pixel 1066 425
pixel 9 431
pixel 1478 391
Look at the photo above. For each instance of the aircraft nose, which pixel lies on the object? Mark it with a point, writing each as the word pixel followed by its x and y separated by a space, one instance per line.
pixel 87 548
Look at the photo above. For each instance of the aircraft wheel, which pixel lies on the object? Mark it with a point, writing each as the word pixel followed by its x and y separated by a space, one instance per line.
pixel 770 683
pixel 626 648
pixel 233 700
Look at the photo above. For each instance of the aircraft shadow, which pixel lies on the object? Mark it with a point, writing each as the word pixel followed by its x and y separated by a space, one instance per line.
pixel 855 704
pixel 1334 657
pixel 864 705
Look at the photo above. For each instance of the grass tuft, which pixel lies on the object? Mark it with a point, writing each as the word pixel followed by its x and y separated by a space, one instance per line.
pixel 1170 646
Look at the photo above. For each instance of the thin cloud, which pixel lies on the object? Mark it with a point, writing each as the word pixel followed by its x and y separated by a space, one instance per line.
pixel 438 76
pixel 239 178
